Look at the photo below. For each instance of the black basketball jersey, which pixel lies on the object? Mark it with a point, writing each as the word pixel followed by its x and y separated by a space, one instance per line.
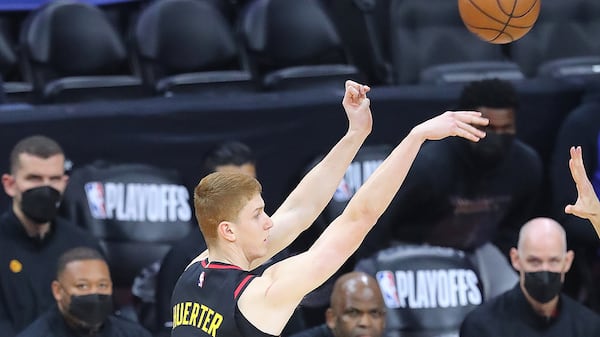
pixel 204 302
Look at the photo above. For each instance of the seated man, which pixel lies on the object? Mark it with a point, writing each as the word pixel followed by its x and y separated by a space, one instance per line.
pixel 470 196
pixel 356 309
pixel 535 307
pixel 83 294
pixel 32 236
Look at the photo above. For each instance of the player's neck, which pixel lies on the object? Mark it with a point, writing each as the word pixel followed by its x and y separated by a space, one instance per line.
pixel 229 256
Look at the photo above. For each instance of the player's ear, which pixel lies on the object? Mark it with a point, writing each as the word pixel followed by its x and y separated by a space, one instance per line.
pixel 226 230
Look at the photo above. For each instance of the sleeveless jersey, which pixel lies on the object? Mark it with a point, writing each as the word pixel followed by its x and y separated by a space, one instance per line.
pixel 204 302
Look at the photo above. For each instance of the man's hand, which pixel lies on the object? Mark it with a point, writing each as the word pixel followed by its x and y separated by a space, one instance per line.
pixel 357 107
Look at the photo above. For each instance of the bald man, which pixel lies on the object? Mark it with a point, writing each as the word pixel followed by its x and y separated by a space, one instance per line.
pixel 535 306
pixel 356 309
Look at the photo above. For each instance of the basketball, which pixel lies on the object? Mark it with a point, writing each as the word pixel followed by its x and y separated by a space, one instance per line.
pixel 499 21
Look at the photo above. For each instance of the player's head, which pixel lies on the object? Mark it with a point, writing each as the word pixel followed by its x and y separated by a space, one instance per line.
pixel 496 100
pixel 542 259
pixel 220 197
pixel 230 156
pixel 357 307
pixel 37 178
pixel 83 288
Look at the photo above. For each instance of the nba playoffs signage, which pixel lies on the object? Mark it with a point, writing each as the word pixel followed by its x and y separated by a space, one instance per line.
pixel 138 201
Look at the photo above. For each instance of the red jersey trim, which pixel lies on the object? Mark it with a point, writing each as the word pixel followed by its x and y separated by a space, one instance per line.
pixel 218 265
pixel 242 285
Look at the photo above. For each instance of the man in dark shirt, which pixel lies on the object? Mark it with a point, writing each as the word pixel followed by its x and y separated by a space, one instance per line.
pixel 469 196
pixel 535 307
pixel 356 309
pixel 83 294
pixel 31 237
pixel 581 127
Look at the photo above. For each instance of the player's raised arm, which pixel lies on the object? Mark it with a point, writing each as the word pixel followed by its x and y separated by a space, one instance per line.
pixel 284 284
pixel 309 198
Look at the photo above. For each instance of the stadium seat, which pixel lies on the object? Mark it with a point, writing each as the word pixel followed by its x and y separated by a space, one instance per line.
pixel 14 91
pixel 188 46
pixel 428 290
pixel 294 44
pixel 72 53
pixel 563 43
pixel 430 44
pixel 136 211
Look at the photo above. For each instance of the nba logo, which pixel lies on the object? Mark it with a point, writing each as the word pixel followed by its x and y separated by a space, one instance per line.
pixel 388 288
pixel 94 192
pixel 343 192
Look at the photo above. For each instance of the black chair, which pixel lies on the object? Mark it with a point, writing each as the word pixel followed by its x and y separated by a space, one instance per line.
pixel 428 290
pixel 14 91
pixel 430 44
pixel 563 43
pixel 137 211
pixel 72 53
pixel 188 46
pixel 294 44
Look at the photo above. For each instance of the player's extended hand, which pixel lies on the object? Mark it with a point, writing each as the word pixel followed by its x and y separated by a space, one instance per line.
pixel 587 205
pixel 357 107
pixel 453 123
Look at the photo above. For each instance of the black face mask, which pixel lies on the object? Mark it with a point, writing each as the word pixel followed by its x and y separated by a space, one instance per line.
pixel 90 310
pixel 492 149
pixel 543 286
pixel 40 204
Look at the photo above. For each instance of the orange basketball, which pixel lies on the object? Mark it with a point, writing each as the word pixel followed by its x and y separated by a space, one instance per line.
pixel 499 21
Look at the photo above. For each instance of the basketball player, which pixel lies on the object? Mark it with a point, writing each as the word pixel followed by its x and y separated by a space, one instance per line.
pixel 217 296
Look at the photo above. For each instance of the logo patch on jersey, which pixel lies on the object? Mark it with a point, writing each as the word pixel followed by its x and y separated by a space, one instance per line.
pixel 15 266
pixel 94 192
pixel 201 280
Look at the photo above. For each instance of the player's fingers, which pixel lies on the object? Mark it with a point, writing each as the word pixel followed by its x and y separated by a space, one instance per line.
pixel 569 209
pixel 351 83
pixel 471 129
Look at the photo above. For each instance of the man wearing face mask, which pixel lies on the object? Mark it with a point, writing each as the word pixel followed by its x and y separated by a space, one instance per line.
pixel 31 236
pixel 83 294
pixel 535 306
pixel 470 196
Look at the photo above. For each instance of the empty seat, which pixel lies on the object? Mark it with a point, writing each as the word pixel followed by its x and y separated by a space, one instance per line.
pixel 14 91
pixel 294 44
pixel 430 44
pixel 73 53
pixel 136 210
pixel 563 43
pixel 428 290
pixel 188 46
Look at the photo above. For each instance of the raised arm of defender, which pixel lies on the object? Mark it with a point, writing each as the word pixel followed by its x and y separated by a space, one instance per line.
pixel 587 205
